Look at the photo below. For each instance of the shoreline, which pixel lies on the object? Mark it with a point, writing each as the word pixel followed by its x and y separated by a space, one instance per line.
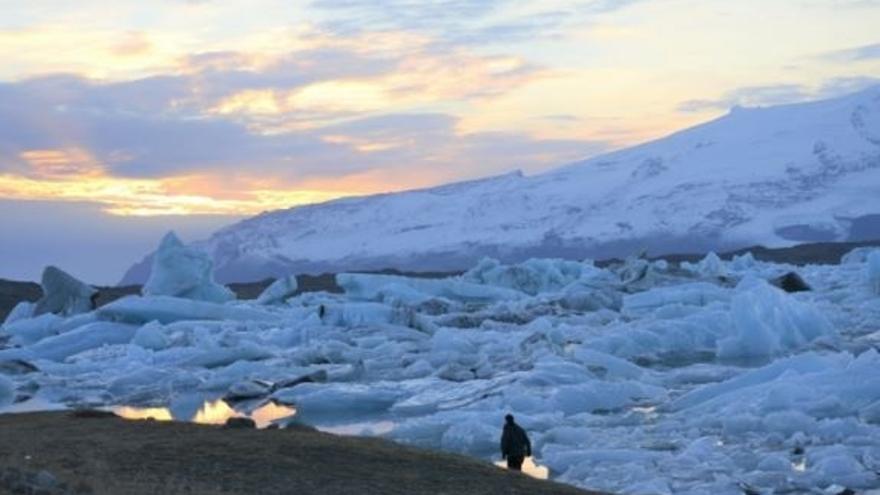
pixel 102 453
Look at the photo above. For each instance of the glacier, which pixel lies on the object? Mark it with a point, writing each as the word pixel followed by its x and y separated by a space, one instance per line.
pixel 635 377
pixel 771 176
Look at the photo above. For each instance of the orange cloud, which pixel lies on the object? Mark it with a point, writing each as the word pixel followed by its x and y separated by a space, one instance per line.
pixel 74 175
pixel 133 44
pixel 61 163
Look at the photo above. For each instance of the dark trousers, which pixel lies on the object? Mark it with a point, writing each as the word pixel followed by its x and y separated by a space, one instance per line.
pixel 514 462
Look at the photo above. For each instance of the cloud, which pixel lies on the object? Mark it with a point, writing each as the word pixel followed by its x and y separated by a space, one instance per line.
pixel 467 22
pixel 839 86
pixel 856 54
pixel 749 96
pixel 780 94
pixel 411 14
pixel 148 147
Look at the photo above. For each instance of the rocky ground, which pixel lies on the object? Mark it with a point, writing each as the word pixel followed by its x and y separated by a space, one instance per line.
pixel 68 453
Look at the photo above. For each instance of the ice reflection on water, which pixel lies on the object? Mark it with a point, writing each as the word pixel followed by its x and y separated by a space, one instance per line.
pixel 530 468
pixel 211 412
pixel 371 428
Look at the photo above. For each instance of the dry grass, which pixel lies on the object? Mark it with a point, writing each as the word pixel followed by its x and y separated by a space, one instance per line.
pixel 116 456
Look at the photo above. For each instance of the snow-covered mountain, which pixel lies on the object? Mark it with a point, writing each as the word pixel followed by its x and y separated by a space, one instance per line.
pixel 771 176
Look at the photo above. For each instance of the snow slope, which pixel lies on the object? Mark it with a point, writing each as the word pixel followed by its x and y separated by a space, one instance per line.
pixel 771 176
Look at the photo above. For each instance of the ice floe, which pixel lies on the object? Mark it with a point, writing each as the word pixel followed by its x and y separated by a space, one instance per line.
pixel 641 377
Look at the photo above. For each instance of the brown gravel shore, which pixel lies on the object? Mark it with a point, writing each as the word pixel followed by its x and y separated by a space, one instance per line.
pixel 109 455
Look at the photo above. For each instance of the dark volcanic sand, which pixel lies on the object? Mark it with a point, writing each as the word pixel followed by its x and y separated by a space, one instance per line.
pixel 109 455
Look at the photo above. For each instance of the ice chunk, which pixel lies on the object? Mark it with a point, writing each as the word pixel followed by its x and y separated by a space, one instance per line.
pixel 73 342
pixel 711 266
pixel 550 372
pixel 63 294
pixel 637 273
pixel 223 356
pixel 21 311
pixel 767 321
pixel 139 382
pixel 743 262
pixel 841 467
pixel 582 297
pixel 857 255
pixel 871 413
pixel 279 290
pixel 442 394
pixel 26 332
pixel 165 309
pixel 775 462
pixel 603 396
pixel 151 336
pixel 184 272
pixel 248 389
pixel 532 276
pixel 606 365
pixel 696 294
pixel 874 270
pixel 344 399
pixel 7 391
pixel 802 364
pixel 651 487
pixel 470 434
pixel 371 287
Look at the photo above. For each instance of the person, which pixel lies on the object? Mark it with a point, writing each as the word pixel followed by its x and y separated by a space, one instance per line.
pixel 515 444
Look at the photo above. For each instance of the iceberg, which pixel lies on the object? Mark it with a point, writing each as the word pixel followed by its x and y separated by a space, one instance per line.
pixel 278 291
pixel 695 294
pixel 767 321
pixel 532 276
pixel 62 346
pixel 857 256
pixel 28 331
pixel 183 272
pixel 711 266
pixel 20 311
pixel 63 294
pixel 166 309
pixel 369 287
pixel 873 260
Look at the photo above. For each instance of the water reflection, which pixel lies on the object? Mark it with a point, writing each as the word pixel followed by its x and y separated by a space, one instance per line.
pixel 530 468
pixel 210 413
pixel 370 428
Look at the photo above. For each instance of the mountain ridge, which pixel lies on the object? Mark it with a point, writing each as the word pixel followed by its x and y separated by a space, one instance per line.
pixel 774 176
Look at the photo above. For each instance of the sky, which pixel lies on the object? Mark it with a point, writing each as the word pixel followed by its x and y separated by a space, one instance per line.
pixel 121 120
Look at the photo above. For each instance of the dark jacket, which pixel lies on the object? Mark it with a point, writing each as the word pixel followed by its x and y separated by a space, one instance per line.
pixel 514 441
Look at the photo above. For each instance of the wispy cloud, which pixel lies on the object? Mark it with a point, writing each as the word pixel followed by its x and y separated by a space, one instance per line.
pixel 856 54
pixel 749 96
pixel 780 94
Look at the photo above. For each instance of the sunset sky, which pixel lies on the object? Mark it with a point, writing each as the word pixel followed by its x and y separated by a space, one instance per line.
pixel 121 120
